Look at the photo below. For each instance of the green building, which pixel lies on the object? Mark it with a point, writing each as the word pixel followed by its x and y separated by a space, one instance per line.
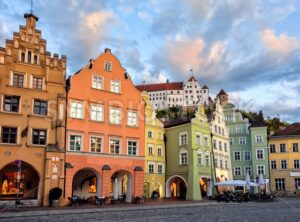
pixel 189 157
pixel 248 146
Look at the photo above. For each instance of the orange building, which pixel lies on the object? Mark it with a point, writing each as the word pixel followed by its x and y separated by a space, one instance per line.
pixel 105 132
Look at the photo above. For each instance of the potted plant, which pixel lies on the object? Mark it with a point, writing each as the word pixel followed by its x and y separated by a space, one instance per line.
pixel 54 195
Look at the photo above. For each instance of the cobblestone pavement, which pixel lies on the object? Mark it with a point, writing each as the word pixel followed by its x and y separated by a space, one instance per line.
pixel 279 210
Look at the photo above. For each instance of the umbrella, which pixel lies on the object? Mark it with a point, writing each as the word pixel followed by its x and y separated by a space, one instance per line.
pixel 247 181
pixel 235 183
pixel 261 182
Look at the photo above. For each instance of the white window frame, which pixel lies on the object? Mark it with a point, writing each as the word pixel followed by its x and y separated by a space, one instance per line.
pixel 234 156
pixel 242 140
pixel 207 157
pixel 235 171
pixel 137 147
pixel 131 120
pixel 257 140
pixel 187 138
pixel 97 84
pixel 239 129
pixel 69 140
pixel 97 112
pixel 113 115
pixel 152 149
pixel 114 87
pixel 159 147
pixel 162 168
pixel 76 109
pixel 199 154
pixel 183 151
pixel 286 164
pixel 247 151
pixel 90 142
pixel 245 170
pixel 257 170
pixel 120 145
pixel 153 164
pixel 110 66
pixel 198 139
pixel 273 163
pixel 231 141
pixel 263 154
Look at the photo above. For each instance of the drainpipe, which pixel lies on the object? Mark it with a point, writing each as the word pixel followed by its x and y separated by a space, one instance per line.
pixel 214 174
pixel 166 164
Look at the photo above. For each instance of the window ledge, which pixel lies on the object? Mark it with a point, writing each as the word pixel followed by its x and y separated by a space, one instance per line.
pixel 19 87
pixel 75 118
pixel 13 113
pixel 10 144
pixel 40 116
pixel 135 127
pixel 96 121
pixel 36 145
pixel 115 124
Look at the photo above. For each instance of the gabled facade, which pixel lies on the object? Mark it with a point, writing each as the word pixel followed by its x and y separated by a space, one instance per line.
pixel 155 154
pixel 189 157
pixel 32 117
pixel 105 132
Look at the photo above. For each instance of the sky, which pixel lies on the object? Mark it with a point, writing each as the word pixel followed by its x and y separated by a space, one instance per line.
pixel 250 48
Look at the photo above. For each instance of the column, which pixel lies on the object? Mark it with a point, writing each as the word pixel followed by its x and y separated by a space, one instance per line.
pixel 116 188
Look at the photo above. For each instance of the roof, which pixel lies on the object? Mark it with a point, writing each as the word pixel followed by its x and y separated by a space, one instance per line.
pixel 222 92
pixel 205 87
pixel 192 78
pixel 160 86
pixel 258 124
pixel 176 122
pixel 291 130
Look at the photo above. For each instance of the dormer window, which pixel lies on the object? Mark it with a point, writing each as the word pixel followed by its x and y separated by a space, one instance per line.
pixel 108 66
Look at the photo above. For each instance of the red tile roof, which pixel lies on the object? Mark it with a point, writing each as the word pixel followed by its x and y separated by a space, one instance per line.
pixel 291 130
pixel 160 86
pixel 192 78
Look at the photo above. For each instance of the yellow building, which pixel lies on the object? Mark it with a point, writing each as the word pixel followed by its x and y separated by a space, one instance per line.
pixel 154 152
pixel 285 160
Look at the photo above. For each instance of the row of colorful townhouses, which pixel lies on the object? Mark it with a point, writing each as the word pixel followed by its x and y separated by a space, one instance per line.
pixel 95 134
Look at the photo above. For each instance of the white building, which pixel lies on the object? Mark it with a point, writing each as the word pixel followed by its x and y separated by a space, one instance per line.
pixel 164 95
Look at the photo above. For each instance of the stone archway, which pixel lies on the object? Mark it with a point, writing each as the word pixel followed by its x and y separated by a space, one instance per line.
pixel 176 186
pixel 19 179
pixel 86 183
pixel 121 183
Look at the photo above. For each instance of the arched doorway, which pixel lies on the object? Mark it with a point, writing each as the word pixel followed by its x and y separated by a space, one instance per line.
pixel 121 183
pixel 205 187
pixel 176 186
pixel 86 183
pixel 147 190
pixel 19 179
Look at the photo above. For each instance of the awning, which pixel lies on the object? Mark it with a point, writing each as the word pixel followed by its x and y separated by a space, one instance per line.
pixel 233 183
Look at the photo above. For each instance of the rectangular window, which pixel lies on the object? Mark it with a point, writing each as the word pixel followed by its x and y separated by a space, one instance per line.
pixel 205 141
pixel 273 165
pixel 22 56
pixel 216 162
pixel 231 140
pixel 260 169
pixel 207 160
pixel 237 171
pixel 226 164
pixel 108 66
pixel 280 184
pixel 283 164
pixel 295 147
pixel 35 59
pixel 150 149
pixel 150 134
pixel 115 115
pixel 160 168
pixel 199 158
pixel 296 164
pixel 242 140
pixel 248 170
pixel 39 136
pixel 40 107
pixel 272 148
pixel 37 83
pixel 282 148
pixel 198 139
pixel 183 139
pixel 96 144
pixel 132 147
pixel 76 109
pixel 9 135
pixel 114 145
pixel 220 146
pixel 259 154
pixel 159 151
pixel 75 143
pixel 18 80
pixel 11 103
pixel 237 156
pixel 247 155
pixel 29 54
pixel 225 147
pixel 183 158
pixel 221 163
pixel 297 183
pixel 239 129
pixel 132 119
pixel 97 82
pixel 151 168
pixel 215 144
pixel 258 139
pixel 97 112
pixel 115 86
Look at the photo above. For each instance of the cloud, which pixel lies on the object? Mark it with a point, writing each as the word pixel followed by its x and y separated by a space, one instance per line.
pixel 283 45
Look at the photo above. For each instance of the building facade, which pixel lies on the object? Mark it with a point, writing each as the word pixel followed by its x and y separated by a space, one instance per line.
pixel 189 157
pixel 32 117
pixel 105 132
pixel 285 160
pixel 155 165
pixel 181 94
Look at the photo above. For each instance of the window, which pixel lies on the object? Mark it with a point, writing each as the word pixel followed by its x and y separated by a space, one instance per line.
pixel 40 107
pixel 295 147
pixel 237 171
pixel 114 145
pixel 37 83
pixel 183 139
pixel 297 183
pixel 150 149
pixel 29 57
pixel 220 146
pixel 96 144
pixel 215 144
pixel 205 141
pixel 159 168
pixel 216 161
pixel 225 147
pixel 216 129
pixel 39 136
pixel 237 156
pixel 115 86
pixel 226 164
pixel 296 164
pixel 76 109
pixel 248 170
pixel 272 148
pixel 221 163
pixel 22 56
pixel 132 118
pixel 159 151
pixel 283 164
pixel 97 112
pixel 260 169
pixel 132 147
pixel 108 66
pixel 282 148
pixel 183 157
pixel 151 167
pixel 280 184
pixel 18 80
pixel 198 139
pixel 239 129
pixel 228 117
pixel 35 59
pixel 231 140
pixel 242 140
pixel 150 134
pixel 247 155
pixel 115 115
pixel 199 158
pixel 75 143
pixel 258 139
pixel 207 160
pixel 11 103
pixel 97 82
pixel 259 154
pixel 9 135
pixel 273 165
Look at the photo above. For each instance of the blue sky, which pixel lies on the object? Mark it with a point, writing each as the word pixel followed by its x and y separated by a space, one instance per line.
pixel 250 48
